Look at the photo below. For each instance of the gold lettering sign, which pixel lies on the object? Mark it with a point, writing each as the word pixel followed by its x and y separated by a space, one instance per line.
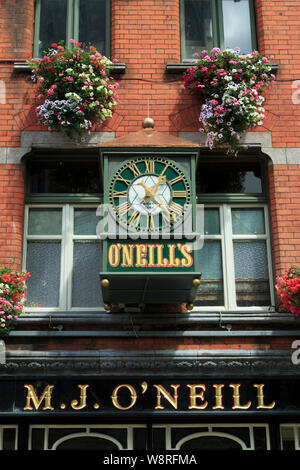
pixel 32 396
pixel 260 398
pixel 218 396
pixel 195 395
pixel 236 398
pixel 115 398
pixel 131 255
pixel 79 405
pixel 173 400
pixel 201 397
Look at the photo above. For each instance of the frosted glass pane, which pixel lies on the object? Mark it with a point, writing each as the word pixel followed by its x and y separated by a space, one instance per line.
pixel 237 25
pixel 44 222
pixel 211 222
pixel 85 221
pixel 248 221
pixel 251 273
pixel 86 289
pixel 210 291
pixel 43 263
pixel 210 260
pixel 250 260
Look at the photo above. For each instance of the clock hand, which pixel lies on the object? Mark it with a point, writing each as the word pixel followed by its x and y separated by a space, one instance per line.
pixel 161 205
pixel 161 180
pixel 148 192
pixel 151 194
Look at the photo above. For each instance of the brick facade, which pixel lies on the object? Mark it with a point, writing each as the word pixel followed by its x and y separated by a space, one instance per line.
pixel 145 35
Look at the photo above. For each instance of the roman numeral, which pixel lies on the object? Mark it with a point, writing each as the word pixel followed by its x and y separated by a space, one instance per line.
pixel 134 219
pixel 150 222
pixel 175 180
pixel 120 194
pixel 177 208
pixel 136 172
pixel 123 208
pixel 120 178
pixel 179 193
pixel 150 166
pixel 165 169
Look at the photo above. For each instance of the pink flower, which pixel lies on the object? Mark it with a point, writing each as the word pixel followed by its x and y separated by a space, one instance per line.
pixel 72 41
pixel 51 90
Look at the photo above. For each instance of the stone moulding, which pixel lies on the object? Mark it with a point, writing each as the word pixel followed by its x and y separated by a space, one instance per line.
pixel 200 363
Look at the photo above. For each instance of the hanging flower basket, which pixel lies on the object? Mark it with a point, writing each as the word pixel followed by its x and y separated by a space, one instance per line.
pixel 12 292
pixel 75 86
pixel 288 286
pixel 230 86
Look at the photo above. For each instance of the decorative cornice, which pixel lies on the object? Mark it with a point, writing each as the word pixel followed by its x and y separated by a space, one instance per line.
pixel 189 363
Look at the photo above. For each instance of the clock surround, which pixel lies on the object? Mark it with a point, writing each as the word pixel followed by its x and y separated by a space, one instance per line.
pixel 149 188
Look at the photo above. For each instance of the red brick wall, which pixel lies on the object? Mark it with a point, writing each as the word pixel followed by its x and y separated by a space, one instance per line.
pixel 284 185
pixel 145 35
pixel 11 212
pixel 16 29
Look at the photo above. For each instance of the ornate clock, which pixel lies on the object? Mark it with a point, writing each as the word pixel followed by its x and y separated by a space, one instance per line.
pixel 150 194
pixel 149 221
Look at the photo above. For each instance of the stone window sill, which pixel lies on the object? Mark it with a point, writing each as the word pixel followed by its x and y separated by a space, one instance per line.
pixel 180 67
pixel 119 68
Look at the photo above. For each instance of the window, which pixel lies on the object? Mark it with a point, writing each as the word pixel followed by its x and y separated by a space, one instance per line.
pixel 289 434
pixel 88 437
pixel 217 23
pixel 210 437
pixel 83 20
pixel 63 255
pixel 235 259
pixel 8 437
pixel 61 248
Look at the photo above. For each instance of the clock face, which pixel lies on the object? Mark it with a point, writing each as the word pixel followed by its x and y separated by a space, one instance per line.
pixel 149 194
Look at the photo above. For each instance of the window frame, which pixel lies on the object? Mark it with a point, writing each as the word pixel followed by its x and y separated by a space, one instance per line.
pixel 225 202
pixel 72 24
pixel 67 239
pixel 295 428
pixel 226 237
pixel 217 26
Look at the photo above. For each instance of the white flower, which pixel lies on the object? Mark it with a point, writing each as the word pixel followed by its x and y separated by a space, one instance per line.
pixel 74 96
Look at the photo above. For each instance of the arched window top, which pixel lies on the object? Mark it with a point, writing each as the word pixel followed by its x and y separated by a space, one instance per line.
pixel 230 441
pixel 72 441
